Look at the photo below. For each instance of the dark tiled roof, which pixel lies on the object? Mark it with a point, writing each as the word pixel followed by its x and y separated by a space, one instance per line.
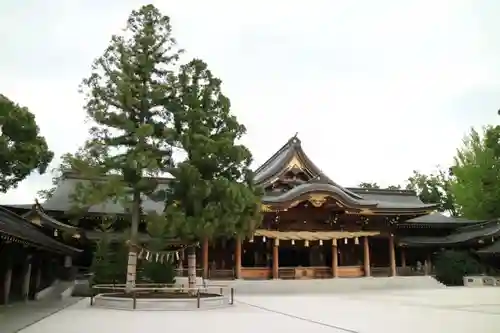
pixel 61 200
pixel 122 236
pixel 46 220
pixel 380 201
pixel 438 218
pixel 18 227
pixel 491 249
pixel 114 236
pixel 460 235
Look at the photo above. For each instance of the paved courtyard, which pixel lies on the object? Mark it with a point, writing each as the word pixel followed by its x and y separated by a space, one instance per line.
pixel 452 310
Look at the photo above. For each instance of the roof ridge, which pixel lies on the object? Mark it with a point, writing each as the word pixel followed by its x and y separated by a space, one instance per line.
pixel 383 191
pixel 293 140
pixel 78 176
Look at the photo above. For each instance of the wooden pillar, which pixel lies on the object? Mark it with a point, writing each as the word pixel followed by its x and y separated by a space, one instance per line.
pixel 392 255
pixel 38 281
pixel 276 258
pixel 237 258
pixel 403 257
pixel 205 258
pixel 27 277
pixel 335 259
pixel 366 251
pixel 7 282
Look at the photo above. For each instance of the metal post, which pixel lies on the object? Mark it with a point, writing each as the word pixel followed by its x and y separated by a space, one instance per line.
pixel 134 300
pixel 232 296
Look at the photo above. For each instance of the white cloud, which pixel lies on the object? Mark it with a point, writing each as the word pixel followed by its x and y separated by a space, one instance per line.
pixel 374 88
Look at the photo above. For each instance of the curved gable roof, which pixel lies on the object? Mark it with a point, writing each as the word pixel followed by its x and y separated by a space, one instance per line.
pixel 278 163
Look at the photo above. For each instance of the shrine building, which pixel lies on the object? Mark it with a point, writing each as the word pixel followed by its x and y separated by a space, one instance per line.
pixel 312 227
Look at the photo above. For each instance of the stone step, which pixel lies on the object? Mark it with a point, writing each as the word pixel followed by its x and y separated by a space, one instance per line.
pixel 338 285
pixel 59 289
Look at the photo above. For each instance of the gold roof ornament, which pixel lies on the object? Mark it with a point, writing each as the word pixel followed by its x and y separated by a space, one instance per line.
pixel 317 200
pixel 295 163
pixel 266 208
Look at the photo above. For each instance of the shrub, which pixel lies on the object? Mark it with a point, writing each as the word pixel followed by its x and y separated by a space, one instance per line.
pixel 109 264
pixel 157 272
pixel 451 266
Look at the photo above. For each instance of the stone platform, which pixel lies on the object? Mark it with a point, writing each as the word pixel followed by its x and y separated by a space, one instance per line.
pixel 457 310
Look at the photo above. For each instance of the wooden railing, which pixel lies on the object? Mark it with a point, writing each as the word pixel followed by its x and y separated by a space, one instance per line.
pixel 350 271
pixel 256 273
pixel 184 272
pixel 221 274
pixel 380 271
pixel 288 273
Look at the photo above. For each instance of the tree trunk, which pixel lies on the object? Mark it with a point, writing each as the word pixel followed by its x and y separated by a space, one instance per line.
pixel 132 252
pixel 191 254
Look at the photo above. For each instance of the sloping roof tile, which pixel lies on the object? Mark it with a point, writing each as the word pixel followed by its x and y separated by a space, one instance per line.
pixel 461 235
pixel 438 218
pixel 18 227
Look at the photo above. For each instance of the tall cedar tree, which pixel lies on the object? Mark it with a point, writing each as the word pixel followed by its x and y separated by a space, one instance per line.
pixel 476 171
pixel 22 148
pixel 125 97
pixel 212 193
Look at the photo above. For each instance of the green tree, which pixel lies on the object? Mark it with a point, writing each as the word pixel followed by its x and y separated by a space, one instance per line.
pixel 212 193
pixel 22 148
pixel 125 97
pixel 369 185
pixel 434 188
pixel 376 186
pixel 476 172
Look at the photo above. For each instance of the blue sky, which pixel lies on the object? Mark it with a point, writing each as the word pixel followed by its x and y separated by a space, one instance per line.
pixel 375 89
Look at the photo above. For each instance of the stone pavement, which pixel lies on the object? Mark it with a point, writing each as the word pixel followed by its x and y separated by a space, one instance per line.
pixel 456 310
pixel 17 316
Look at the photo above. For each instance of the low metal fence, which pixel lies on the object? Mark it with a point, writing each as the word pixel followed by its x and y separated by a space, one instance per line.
pixel 217 291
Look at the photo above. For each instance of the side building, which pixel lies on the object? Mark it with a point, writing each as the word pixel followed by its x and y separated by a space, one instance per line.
pixel 30 258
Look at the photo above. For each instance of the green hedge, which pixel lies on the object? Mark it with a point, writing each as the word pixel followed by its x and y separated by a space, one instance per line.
pixel 451 266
